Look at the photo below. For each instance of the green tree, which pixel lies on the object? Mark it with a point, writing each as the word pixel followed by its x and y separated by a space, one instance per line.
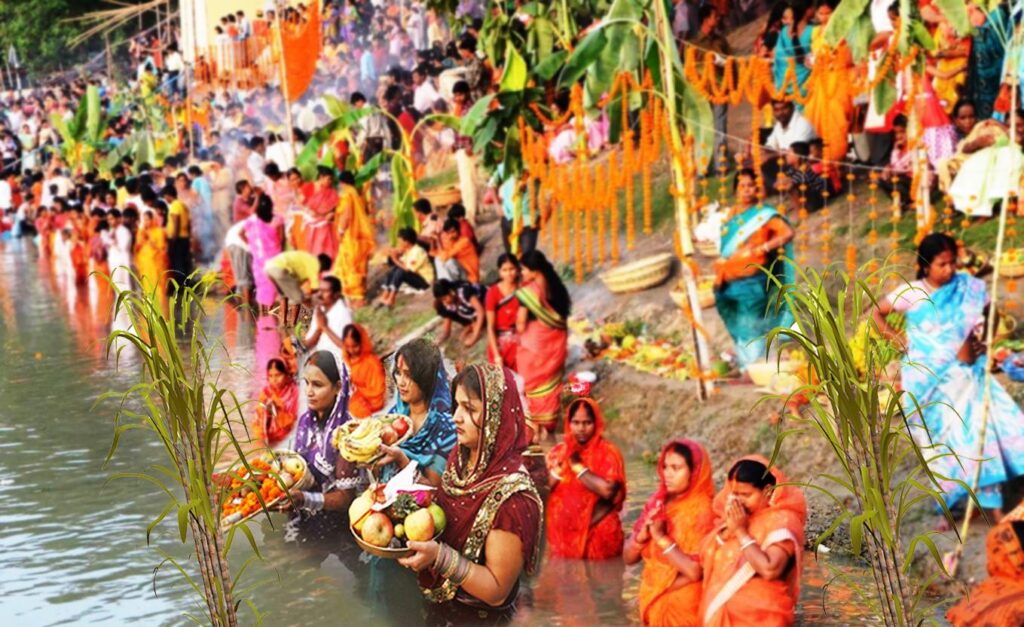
pixel 38 31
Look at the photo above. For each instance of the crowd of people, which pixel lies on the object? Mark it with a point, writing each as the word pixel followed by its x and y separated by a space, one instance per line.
pixel 230 197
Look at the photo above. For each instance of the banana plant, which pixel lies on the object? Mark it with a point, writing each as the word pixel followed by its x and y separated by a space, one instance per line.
pixel 83 137
pixel 340 128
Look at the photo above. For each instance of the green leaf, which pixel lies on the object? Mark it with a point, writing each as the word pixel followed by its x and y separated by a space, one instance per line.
pixel 335 107
pixel 475 115
pixel 859 37
pixel 93 111
pixel 549 67
pixel 369 170
pixel 955 12
pixel 583 56
pixel 515 75
pixel 485 133
pixel 885 94
pixel 922 37
pixel 847 13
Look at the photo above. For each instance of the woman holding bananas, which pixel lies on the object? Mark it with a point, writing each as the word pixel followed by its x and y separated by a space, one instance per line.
pixel 423 396
pixel 335 480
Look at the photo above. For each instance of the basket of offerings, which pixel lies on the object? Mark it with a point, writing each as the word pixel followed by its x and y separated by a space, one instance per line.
pixel 639 275
pixel 774 373
pixel 359 440
pixel 271 476
pixel 442 196
pixel 1011 264
pixel 386 517
pixel 705 292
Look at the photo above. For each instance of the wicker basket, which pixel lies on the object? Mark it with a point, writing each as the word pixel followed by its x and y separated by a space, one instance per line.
pixel 639 275
pixel 706 248
pixel 384 552
pixel 306 481
pixel 705 293
pixel 442 197
pixel 1012 269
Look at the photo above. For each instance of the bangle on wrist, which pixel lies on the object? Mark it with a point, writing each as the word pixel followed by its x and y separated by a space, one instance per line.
pixel 583 470
pixel 746 543
pixel 669 549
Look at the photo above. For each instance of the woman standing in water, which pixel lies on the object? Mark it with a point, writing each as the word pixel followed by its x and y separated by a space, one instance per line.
pixel 676 518
pixel 335 480
pixel 543 339
pixel 494 512
pixel 502 310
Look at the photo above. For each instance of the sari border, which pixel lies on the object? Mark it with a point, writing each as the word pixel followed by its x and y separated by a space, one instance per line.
pixel 744 574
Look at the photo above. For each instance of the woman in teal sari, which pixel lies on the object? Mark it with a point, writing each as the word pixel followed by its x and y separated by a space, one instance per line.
pixel 944 370
pixel 744 296
pixel 422 395
pixel 987 56
pixel 794 45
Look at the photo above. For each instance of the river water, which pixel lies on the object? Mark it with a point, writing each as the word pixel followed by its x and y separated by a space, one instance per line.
pixel 73 548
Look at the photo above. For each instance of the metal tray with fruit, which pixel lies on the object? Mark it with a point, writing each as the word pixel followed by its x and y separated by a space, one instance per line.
pixel 359 440
pixel 385 517
pixel 275 474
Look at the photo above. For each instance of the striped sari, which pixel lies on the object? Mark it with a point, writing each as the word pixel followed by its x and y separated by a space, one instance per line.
pixel 541 357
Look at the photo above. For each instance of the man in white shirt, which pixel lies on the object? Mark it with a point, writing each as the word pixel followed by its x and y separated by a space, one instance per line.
pixel 255 162
pixel 790 127
pixel 331 317
pixel 425 95
pixel 119 255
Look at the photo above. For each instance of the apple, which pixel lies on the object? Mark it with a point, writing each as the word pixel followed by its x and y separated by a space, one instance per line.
pixel 419 525
pixel 440 520
pixel 358 510
pixel 401 426
pixel 377 529
pixel 388 435
pixel 293 466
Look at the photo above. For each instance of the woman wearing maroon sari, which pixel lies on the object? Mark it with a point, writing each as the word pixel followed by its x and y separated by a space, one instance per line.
pixel 502 309
pixel 319 230
pixel 588 488
pixel 493 509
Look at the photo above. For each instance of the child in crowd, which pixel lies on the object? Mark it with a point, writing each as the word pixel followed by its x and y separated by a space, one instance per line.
pixel 896 176
pixel 458 212
pixel 278 404
pixel 410 266
pixel 458 301
pixel 803 181
pixel 430 223
pixel 456 258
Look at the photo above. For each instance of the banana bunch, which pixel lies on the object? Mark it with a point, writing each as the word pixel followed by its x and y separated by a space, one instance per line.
pixel 359 445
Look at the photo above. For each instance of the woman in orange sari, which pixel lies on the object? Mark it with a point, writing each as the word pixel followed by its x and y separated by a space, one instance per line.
pixel 543 340
pixel 829 90
pixel 673 524
pixel 355 241
pixel 751 562
pixel 366 371
pixel 999 600
pixel 588 487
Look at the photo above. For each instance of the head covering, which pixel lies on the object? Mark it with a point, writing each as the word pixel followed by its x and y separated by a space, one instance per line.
pixel 702 486
pixel 313 437
pixel 436 437
pixel 471 496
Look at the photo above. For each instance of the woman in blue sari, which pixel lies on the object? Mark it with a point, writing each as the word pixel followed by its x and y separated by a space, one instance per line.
pixel 986 60
pixel 945 372
pixel 423 396
pixel 794 45
pixel 752 237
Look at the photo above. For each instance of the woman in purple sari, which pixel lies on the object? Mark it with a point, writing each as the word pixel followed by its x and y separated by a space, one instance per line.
pixel 321 508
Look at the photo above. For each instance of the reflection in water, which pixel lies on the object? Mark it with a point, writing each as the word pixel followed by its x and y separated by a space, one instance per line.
pixel 73 543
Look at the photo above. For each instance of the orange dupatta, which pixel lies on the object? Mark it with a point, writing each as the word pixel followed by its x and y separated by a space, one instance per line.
pixel 689 520
pixel 369 382
pixel 733 593
pixel 571 505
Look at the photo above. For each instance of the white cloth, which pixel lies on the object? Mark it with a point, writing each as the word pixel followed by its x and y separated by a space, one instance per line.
pixel 425 97
pixel 234 237
pixel 798 130
pixel 338 317
pixel 119 256
pixel 6 197
pixel 280 154
pixel 255 164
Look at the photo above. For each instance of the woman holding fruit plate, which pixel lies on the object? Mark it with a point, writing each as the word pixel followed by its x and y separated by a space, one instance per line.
pixel 335 480
pixel 422 387
pixel 494 513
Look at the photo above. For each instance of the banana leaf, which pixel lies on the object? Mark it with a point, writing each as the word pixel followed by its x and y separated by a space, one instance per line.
pixel 93 114
pixel 369 170
pixel 514 77
pixel 402 201
pixel 549 67
pixel 847 13
pixel 955 11
pixel 335 107
pixel 308 159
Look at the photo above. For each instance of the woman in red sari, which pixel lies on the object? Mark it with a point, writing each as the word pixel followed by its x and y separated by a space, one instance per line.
pixel 279 404
pixel 494 512
pixel 588 487
pixel 543 339
pixel 369 383
pixel 751 563
pixel 502 309
pixel 676 519
pixel 319 230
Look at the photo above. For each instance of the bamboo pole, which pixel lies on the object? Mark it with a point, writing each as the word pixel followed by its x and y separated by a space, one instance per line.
pixel 283 68
pixel 953 562
pixel 705 386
